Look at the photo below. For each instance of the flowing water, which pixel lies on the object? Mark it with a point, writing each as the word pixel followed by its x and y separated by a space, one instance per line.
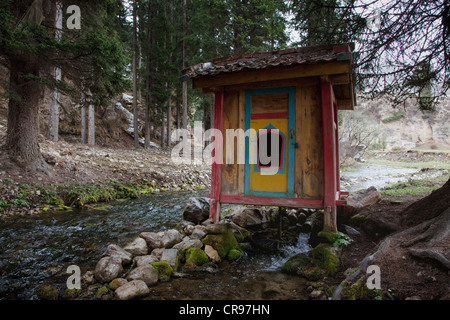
pixel 37 250
pixel 378 176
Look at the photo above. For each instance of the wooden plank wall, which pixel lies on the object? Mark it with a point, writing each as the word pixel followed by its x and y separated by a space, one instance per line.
pixel 233 118
pixel 308 154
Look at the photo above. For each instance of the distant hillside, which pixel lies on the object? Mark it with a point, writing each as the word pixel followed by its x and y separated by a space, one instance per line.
pixel 406 126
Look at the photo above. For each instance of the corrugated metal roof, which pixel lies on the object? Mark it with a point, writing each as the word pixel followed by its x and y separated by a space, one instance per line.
pixel 272 59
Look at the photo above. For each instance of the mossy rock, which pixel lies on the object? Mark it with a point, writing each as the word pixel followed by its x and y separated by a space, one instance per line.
pixel 301 265
pixel 71 293
pixel 299 261
pixel 101 292
pixel 242 234
pixel 328 237
pixel 360 291
pixel 223 242
pixel 193 257
pixel 323 257
pixel 116 283
pixel 234 254
pixel 164 269
pixel 47 292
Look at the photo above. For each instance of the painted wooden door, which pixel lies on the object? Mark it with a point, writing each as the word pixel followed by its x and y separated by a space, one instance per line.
pixel 270 142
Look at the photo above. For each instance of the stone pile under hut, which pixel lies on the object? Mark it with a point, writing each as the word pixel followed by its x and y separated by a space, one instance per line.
pixel 196 244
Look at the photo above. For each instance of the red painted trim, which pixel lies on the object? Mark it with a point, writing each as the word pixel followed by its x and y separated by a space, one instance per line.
pixel 266 201
pixel 329 146
pixel 270 115
pixel 216 175
pixel 336 135
pixel 344 193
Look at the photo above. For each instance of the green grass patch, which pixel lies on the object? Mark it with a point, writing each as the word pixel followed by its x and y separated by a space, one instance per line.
pixel 414 187
pixel 62 196
pixel 439 165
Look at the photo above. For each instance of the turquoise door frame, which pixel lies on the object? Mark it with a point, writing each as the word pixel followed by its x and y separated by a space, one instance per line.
pixel 290 147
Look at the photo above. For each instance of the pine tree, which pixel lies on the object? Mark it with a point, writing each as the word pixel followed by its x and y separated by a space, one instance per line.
pixel 31 50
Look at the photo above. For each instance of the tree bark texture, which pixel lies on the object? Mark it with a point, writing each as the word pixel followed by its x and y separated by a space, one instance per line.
pixel 23 113
pixel 53 122
pixel 91 125
pixel 135 111
pixel 149 77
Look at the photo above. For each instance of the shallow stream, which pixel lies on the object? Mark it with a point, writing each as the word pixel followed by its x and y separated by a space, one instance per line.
pixel 38 250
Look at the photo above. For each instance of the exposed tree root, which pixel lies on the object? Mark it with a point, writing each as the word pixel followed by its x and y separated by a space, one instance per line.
pixel 431 254
pixel 427 240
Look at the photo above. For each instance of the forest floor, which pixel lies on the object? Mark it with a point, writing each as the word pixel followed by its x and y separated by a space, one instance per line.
pixel 92 174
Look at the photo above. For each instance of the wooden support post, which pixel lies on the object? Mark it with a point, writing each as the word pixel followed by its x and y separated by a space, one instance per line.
pixel 216 176
pixel 329 161
pixel 336 135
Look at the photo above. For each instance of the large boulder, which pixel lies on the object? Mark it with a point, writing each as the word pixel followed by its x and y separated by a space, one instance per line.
pixel 132 289
pixel 163 239
pixel 107 269
pixel 146 273
pixel 194 257
pixel 153 239
pixel 223 243
pixel 187 242
pixel 170 255
pixel 145 260
pixel 248 218
pixel 212 253
pixel 137 247
pixel 113 250
pixel 361 199
pixel 196 210
pixel 170 238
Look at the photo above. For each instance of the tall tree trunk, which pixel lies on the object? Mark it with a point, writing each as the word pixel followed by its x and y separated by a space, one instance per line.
pixel 184 88
pixel 169 120
pixel 178 108
pixel 23 114
pixel 163 128
pixel 83 113
pixel 91 120
pixel 53 122
pixel 83 124
pixel 135 111
pixel 149 76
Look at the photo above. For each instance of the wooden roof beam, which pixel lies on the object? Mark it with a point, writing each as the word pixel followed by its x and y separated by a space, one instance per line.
pixel 298 71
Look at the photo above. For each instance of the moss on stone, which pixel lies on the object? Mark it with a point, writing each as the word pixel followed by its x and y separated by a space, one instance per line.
pixel 234 254
pixel 164 269
pixel 329 237
pixel 193 257
pixel 360 291
pixel 295 263
pixel 47 292
pixel 223 242
pixel 71 293
pixel 101 292
pixel 116 283
pixel 324 258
